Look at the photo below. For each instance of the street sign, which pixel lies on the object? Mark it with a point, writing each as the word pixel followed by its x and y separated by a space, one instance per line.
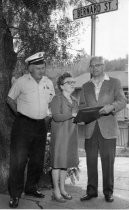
pixel 95 9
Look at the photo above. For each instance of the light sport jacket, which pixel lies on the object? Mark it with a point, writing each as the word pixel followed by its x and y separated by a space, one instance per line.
pixel 111 92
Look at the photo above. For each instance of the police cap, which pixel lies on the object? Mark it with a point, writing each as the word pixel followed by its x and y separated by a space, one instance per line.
pixel 36 59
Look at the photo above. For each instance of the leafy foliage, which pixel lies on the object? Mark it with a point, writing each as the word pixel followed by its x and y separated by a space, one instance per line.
pixel 36 6
pixel 32 29
pixel 117 65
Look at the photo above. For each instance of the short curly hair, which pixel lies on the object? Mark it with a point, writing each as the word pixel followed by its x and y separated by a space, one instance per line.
pixel 61 79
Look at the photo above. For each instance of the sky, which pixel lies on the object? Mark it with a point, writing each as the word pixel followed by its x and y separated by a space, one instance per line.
pixel 112 32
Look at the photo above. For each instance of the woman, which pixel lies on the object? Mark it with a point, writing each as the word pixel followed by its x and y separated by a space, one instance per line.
pixel 64 145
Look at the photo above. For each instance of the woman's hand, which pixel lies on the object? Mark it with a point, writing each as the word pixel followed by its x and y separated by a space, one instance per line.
pixel 74 114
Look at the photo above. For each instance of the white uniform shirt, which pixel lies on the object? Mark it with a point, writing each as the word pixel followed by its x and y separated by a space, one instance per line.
pixel 99 85
pixel 32 98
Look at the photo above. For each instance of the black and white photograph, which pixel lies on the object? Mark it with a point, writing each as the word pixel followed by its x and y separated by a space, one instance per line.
pixel 64 104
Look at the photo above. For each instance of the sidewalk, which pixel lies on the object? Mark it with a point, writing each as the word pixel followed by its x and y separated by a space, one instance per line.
pixel 121 192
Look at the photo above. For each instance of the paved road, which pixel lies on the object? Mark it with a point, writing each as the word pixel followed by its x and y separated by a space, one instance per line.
pixel 121 192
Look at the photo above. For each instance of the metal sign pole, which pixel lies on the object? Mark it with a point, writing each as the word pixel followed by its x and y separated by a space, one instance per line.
pixel 96 7
pixel 93 34
pixel 93 30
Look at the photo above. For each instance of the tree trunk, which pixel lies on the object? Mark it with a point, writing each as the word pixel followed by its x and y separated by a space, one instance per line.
pixel 7 64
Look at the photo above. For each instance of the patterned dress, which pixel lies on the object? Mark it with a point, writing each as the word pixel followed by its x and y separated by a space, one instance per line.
pixel 64 133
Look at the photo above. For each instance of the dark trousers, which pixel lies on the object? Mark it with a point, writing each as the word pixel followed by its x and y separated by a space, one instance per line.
pixel 107 149
pixel 27 148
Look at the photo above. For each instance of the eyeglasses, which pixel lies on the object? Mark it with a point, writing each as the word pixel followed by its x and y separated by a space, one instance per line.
pixel 97 65
pixel 69 82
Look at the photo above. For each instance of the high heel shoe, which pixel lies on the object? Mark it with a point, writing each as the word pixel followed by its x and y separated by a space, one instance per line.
pixel 67 196
pixel 58 199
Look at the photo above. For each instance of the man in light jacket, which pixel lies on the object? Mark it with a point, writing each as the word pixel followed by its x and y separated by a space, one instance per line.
pixel 101 134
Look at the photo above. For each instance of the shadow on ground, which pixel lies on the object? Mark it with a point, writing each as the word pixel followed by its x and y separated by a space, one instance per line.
pixel 27 202
pixel 75 203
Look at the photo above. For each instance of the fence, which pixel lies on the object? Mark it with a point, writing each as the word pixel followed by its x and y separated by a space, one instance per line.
pixel 123 138
pixel 123 122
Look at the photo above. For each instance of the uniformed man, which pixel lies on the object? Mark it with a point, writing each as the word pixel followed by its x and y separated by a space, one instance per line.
pixel 29 98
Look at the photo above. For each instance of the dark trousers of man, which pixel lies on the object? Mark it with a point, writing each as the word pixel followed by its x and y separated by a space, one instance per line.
pixel 107 149
pixel 28 139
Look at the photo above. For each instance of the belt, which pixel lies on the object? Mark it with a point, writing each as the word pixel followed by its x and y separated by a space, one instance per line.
pixel 28 118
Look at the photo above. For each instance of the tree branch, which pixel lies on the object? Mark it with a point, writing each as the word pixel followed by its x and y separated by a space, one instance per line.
pixel 18 10
pixel 34 30
pixel 22 48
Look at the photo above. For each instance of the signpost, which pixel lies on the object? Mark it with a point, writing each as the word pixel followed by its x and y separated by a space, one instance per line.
pixel 93 10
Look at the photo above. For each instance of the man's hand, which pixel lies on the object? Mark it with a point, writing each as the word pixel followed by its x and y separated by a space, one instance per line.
pixel 106 109
pixel 12 104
